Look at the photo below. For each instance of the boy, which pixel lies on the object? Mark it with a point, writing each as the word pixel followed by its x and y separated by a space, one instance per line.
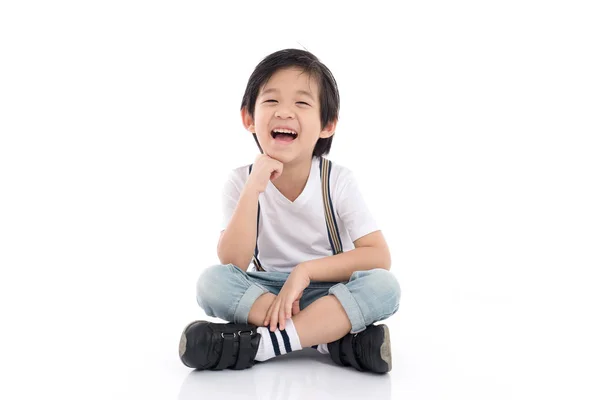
pixel 321 275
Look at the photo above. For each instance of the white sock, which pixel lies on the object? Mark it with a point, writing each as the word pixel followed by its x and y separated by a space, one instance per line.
pixel 322 348
pixel 277 343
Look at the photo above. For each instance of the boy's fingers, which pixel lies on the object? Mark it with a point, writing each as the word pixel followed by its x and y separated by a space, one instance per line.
pixel 282 318
pixel 271 311
pixel 286 308
pixel 296 307
pixel 268 315
pixel 274 316
pixel 271 322
pixel 275 175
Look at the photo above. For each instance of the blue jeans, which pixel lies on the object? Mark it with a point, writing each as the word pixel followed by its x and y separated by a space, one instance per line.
pixel 227 292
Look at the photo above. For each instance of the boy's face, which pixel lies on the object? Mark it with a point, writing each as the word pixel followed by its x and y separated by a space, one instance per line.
pixel 289 100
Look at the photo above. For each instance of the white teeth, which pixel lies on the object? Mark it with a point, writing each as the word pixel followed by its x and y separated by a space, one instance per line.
pixel 285 131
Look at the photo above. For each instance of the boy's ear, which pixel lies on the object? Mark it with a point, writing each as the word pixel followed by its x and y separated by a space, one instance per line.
pixel 247 120
pixel 329 130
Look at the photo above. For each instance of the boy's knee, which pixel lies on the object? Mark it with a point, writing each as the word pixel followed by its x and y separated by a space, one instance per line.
pixel 209 287
pixel 390 288
pixel 386 288
pixel 388 284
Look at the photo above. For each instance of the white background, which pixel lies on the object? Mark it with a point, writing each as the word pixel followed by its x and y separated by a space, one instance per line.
pixel 472 127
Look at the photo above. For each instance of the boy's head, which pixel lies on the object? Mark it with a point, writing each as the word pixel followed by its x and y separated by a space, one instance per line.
pixel 291 89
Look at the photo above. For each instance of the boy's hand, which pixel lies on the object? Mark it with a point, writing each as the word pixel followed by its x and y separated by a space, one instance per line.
pixel 286 303
pixel 264 169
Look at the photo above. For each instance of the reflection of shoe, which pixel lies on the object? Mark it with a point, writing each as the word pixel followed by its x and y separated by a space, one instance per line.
pixel 369 350
pixel 208 345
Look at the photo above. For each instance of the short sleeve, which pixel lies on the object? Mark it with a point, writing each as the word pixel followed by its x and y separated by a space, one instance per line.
pixel 352 208
pixel 230 195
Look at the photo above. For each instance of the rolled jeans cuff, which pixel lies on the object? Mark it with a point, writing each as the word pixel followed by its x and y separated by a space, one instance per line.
pixel 351 306
pixel 242 311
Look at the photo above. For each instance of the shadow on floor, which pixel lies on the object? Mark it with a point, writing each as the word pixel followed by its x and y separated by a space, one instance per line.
pixel 299 375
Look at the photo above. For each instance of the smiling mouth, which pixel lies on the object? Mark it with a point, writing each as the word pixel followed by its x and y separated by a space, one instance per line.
pixel 284 134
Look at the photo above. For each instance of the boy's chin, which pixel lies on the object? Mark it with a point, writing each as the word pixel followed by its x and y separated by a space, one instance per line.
pixel 280 156
pixel 284 158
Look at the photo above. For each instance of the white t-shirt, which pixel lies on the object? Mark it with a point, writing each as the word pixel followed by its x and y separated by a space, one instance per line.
pixel 292 232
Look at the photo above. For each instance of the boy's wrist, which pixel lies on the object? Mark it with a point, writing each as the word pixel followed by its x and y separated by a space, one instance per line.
pixel 306 267
pixel 251 191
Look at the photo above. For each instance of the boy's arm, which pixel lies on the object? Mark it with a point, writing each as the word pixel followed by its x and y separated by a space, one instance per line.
pixel 238 240
pixel 371 251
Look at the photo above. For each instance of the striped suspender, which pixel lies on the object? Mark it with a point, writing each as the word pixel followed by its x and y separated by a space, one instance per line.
pixel 333 232
pixel 255 256
pixel 332 229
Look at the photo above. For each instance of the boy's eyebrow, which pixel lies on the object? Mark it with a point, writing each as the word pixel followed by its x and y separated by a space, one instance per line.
pixel 273 90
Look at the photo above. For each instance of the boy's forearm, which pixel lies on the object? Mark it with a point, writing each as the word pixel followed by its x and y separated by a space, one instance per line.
pixel 339 268
pixel 239 238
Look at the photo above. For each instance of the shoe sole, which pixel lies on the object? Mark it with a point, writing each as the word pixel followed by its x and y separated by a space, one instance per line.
pixel 183 344
pixel 386 348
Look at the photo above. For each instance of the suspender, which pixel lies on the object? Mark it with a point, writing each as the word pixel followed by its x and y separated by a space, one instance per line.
pixel 332 228
pixel 255 256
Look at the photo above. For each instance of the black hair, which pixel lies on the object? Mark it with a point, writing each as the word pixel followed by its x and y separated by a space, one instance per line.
pixel 329 98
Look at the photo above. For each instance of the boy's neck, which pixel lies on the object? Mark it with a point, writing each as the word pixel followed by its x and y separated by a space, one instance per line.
pixel 292 181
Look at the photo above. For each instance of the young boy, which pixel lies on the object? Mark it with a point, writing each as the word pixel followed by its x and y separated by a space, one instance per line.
pixel 321 275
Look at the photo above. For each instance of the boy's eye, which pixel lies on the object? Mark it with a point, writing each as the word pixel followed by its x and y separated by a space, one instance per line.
pixel 267 101
pixel 302 102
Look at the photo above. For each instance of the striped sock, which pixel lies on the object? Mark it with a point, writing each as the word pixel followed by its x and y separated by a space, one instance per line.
pixel 277 343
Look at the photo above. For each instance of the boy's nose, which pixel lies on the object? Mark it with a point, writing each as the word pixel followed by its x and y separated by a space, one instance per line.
pixel 284 113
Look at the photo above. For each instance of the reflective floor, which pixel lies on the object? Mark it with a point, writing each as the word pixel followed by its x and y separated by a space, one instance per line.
pixel 294 376
pixel 115 346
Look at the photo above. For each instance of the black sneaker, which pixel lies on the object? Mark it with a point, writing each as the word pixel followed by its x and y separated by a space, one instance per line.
pixel 208 345
pixel 369 350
